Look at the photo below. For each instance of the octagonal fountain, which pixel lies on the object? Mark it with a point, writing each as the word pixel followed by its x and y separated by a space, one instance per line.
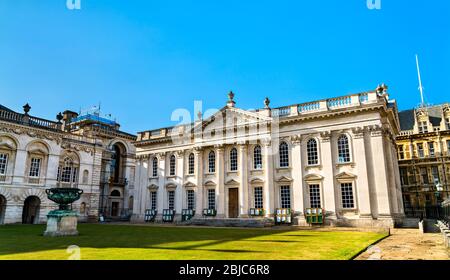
pixel 62 222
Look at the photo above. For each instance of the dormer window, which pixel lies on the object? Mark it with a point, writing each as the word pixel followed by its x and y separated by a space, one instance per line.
pixel 423 127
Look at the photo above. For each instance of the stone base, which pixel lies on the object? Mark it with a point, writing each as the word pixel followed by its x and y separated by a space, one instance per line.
pixel 61 223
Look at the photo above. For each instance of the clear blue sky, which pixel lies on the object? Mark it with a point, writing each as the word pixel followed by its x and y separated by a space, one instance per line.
pixel 143 59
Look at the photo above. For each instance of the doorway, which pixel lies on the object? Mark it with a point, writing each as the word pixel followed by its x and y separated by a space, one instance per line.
pixel 114 209
pixel 2 209
pixel 233 203
pixel 30 213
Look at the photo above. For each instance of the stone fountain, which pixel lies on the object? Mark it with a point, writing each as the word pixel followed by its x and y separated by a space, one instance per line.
pixel 62 222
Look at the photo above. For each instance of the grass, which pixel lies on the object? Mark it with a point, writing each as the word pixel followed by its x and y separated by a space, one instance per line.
pixel 123 242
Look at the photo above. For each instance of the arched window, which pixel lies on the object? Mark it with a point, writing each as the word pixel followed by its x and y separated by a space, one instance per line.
pixel 85 177
pixel 233 160
pixel 343 149
pixel 211 162
pixel 191 164
pixel 172 165
pixel 257 158
pixel 115 193
pixel 284 154
pixel 313 155
pixel 67 171
pixel 155 167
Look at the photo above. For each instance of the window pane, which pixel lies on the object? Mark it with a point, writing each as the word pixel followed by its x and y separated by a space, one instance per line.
pixel 233 160
pixel 313 157
pixel 35 167
pixel 259 197
pixel 190 199
pixel 212 162
pixel 343 149
pixel 284 155
pixel 171 200
pixel 153 200
pixel 211 199
pixel 257 158
pixel 347 195
pixel 3 163
pixel 285 196
pixel 314 196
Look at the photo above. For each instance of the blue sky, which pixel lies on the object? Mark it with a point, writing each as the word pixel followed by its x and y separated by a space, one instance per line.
pixel 143 59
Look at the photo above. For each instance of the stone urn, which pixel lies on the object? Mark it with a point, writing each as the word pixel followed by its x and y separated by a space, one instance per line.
pixel 62 222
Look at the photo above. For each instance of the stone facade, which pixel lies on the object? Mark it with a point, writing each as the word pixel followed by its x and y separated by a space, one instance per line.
pixel 423 148
pixel 75 151
pixel 337 154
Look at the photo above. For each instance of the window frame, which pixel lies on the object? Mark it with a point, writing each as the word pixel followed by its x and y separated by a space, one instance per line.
pixel 233 158
pixel 35 171
pixel 154 167
pixel 312 156
pixel 344 149
pixel 212 162
pixel 283 200
pixel 190 199
pixel 431 149
pixel 191 164
pixel 257 158
pixel 345 200
pixel 154 200
pixel 283 155
pixel 211 199
pixel 258 197
pixel 171 199
pixel 4 162
pixel 172 165
pixel 314 194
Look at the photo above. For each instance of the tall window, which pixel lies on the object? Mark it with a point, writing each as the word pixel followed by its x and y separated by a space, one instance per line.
pixel 420 151
pixel 171 197
pixel 343 149
pixel 431 149
pixel 401 152
pixel 284 154
pixel 211 199
pixel 190 194
pixel 172 165
pixel 404 176
pixel 314 196
pixel 3 163
pixel 211 162
pixel 435 174
pixel 285 196
pixel 311 148
pixel 155 167
pixel 447 123
pixel 153 200
pixel 233 160
pixel 35 167
pixel 448 147
pixel 423 127
pixel 259 197
pixel 348 200
pixel 424 175
pixel 191 164
pixel 257 158
pixel 67 172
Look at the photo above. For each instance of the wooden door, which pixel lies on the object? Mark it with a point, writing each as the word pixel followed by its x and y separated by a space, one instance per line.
pixel 233 203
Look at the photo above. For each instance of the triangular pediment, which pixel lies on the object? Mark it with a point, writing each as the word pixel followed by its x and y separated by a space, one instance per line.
pixel 313 177
pixel 284 179
pixel 232 182
pixel 257 181
pixel 210 183
pixel 189 185
pixel 229 117
pixel 345 175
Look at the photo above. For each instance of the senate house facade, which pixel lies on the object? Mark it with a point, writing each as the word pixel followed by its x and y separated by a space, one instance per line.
pixel 337 154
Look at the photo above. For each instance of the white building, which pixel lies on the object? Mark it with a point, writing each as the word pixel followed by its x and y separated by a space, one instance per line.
pixel 87 151
pixel 337 154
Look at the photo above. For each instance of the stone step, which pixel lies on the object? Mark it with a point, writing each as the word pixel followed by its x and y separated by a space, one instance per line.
pixel 228 222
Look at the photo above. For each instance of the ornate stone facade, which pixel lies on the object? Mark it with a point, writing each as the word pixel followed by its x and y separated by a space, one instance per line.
pixel 337 154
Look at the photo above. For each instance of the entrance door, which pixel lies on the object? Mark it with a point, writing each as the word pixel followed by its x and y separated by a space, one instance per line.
pixel 114 209
pixel 30 214
pixel 233 203
pixel 2 209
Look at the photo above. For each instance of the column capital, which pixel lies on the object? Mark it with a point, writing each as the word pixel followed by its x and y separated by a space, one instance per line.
pixel 325 136
pixel 296 139
pixel 358 132
pixel 266 142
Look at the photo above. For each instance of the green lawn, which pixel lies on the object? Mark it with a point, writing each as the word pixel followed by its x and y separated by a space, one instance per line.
pixel 122 242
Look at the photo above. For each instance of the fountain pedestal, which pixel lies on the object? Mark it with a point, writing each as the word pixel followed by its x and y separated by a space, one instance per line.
pixel 61 223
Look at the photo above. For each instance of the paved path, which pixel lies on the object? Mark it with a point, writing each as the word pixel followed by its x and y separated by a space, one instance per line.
pixel 408 244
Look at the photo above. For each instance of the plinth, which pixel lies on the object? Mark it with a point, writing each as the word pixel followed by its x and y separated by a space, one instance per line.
pixel 61 223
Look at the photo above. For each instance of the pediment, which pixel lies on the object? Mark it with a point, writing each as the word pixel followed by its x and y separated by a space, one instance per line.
pixel 231 116
pixel 232 182
pixel 345 175
pixel 284 179
pixel 189 185
pixel 6 146
pixel 153 187
pixel 210 183
pixel 313 177
pixel 171 186
pixel 38 151
pixel 257 181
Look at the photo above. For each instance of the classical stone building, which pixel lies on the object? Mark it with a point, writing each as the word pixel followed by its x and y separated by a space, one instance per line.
pixel 423 147
pixel 84 151
pixel 337 154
